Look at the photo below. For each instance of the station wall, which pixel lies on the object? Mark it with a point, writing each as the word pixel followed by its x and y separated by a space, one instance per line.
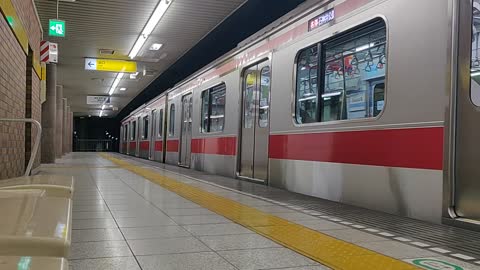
pixel 20 83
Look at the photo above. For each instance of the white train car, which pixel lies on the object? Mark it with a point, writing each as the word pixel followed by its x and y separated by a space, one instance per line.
pixel 352 101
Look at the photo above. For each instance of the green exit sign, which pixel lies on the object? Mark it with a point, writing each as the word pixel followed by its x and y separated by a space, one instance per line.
pixel 56 28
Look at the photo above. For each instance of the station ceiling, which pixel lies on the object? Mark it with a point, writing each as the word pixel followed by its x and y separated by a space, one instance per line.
pixel 94 25
pixel 192 32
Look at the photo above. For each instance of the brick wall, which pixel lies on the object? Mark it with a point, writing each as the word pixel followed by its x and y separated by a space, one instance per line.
pixel 13 89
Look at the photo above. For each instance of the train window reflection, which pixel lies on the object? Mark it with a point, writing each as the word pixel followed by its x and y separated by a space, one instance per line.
pixel 213 109
pixel 160 124
pixel 475 62
pixel 307 86
pixel 352 76
pixel 133 135
pixel 171 124
pixel 145 128
pixel 264 106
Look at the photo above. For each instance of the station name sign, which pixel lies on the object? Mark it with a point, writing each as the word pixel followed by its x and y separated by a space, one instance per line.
pixel 322 19
pixel 98 100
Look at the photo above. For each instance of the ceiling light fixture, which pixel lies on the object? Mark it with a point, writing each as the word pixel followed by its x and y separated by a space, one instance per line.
pixel 157 15
pixel 115 83
pixel 123 89
pixel 156 46
pixel 101 113
pixel 103 107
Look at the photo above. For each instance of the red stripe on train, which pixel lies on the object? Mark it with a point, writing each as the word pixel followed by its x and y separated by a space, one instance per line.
pixel 226 146
pixel 159 146
pixel 133 145
pixel 145 145
pixel 409 148
pixel 172 145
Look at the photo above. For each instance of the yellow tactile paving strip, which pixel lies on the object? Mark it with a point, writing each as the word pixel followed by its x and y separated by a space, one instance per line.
pixel 329 251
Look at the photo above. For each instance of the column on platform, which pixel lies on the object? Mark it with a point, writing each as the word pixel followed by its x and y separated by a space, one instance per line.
pixel 49 115
pixel 59 122
pixel 66 109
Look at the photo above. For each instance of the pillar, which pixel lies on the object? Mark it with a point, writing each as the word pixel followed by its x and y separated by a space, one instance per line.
pixel 70 147
pixel 49 111
pixel 66 113
pixel 59 122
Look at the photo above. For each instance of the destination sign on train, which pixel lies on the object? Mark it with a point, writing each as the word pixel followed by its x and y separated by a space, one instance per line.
pixel 322 19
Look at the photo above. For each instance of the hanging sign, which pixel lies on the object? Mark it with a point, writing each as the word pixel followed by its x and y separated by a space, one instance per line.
pixel 110 65
pixel 98 100
pixel 322 19
pixel 56 28
pixel 48 52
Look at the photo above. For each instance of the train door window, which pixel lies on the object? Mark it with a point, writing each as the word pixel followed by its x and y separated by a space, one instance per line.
pixel 213 109
pixel 171 124
pixel 145 128
pixel 249 104
pixel 160 124
pixel 205 110
pixel 307 86
pixel 134 131
pixel 352 76
pixel 264 108
pixel 475 62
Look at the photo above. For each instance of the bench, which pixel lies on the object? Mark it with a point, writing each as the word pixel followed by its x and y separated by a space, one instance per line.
pixel 34 224
pixel 54 185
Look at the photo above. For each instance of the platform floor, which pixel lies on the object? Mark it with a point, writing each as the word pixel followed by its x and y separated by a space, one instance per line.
pixel 136 214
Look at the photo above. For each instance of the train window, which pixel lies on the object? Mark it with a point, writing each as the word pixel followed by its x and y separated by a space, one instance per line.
pixel 125 133
pixel 249 109
pixel 351 76
pixel 475 62
pixel 264 107
pixel 171 124
pixel 307 86
pixel 213 109
pixel 133 131
pixel 145 128
pixel 160 124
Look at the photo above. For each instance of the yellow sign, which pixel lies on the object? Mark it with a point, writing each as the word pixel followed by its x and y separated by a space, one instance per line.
pixel 110 65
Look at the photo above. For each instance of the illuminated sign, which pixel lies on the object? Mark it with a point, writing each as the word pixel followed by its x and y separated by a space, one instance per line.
pixel 110 65
pixel 322 19
pixel 56 28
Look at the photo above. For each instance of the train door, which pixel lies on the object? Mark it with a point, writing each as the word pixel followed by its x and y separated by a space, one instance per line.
pixel 153 135
pixel 466 119
pixel 186 131
pixel 255 123
pixel 137 136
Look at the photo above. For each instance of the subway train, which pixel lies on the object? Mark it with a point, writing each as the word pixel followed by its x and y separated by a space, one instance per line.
pixel 372 103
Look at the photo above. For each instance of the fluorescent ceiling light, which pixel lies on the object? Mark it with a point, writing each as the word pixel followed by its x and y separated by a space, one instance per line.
pixel 123 89
pixel 475 74
pixel 150 26
pixel 156 47
pixel 115 83
pixel 101 114
pixel 103 107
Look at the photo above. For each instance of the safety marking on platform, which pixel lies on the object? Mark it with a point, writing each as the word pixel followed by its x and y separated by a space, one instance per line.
pixel 435 264
pixel 402 239
pixel 462 256
pixel 327 250
pixel 386 234
pixel 440 250
pixel 420 244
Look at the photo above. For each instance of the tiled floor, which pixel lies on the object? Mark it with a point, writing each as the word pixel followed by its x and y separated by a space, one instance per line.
pixel 122 221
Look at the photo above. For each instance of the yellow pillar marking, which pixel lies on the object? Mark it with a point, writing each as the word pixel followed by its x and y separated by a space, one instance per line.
pixel 8 10
pixel 327 250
